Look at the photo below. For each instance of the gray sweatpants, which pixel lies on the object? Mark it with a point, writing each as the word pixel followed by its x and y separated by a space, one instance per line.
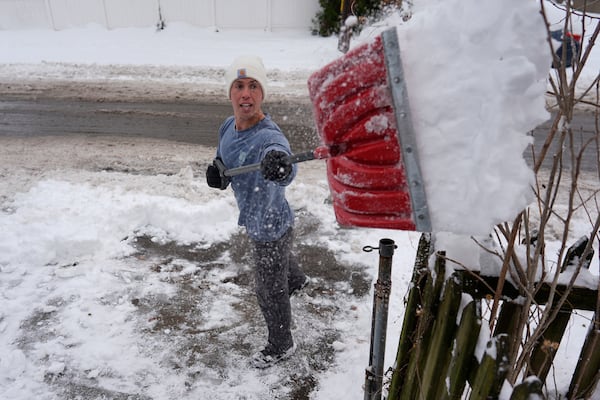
pixel 276 271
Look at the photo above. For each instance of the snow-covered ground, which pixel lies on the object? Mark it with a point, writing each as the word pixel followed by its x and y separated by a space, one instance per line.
pixel 136 284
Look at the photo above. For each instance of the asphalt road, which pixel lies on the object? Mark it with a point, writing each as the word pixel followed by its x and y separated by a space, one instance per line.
pixel 188 122
pixel 197 122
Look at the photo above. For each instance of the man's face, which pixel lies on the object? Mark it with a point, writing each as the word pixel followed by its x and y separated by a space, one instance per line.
pixel 246 99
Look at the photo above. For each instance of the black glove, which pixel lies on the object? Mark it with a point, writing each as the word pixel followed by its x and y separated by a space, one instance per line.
pixel 215 175
pixel 275 166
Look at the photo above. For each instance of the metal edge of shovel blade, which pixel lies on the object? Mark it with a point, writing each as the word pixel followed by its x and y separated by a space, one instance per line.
pixel 405 130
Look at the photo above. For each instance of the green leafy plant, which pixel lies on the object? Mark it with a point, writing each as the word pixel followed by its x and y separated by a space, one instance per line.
pixel 328 20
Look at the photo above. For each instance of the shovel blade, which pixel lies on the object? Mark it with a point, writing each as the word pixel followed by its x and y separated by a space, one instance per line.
pixel 355 106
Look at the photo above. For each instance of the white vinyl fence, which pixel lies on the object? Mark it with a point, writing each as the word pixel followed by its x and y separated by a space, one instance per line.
pixel 221 14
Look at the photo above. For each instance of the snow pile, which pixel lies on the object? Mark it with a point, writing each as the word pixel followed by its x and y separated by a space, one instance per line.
pixel 475 89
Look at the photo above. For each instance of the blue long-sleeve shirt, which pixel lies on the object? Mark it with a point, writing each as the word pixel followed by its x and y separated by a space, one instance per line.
pixel 264 210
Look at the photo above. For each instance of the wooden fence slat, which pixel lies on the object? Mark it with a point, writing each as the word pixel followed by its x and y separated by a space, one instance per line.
pixel 411 317
pixel 531 385
pixel 492 370
pixel 467 336
pixel 508 322
pixel 431 296
pixel 587 372
pixel 508 318
pixel 545 349
pixel 444 329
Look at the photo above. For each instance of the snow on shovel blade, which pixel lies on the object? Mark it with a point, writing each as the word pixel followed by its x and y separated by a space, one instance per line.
pixel 360 101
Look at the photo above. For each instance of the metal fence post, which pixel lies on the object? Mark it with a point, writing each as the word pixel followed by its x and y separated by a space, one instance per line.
pixel 381 297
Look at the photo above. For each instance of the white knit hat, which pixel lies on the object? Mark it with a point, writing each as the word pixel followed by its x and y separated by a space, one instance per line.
pixel 246 67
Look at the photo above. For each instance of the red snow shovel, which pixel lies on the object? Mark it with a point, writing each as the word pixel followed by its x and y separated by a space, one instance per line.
pixel 361 110
pixel 360 101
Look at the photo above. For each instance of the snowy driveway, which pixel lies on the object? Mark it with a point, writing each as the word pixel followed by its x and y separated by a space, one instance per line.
pixel 123 276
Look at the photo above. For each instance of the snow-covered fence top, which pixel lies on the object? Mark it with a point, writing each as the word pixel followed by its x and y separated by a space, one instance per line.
pixel 232 14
